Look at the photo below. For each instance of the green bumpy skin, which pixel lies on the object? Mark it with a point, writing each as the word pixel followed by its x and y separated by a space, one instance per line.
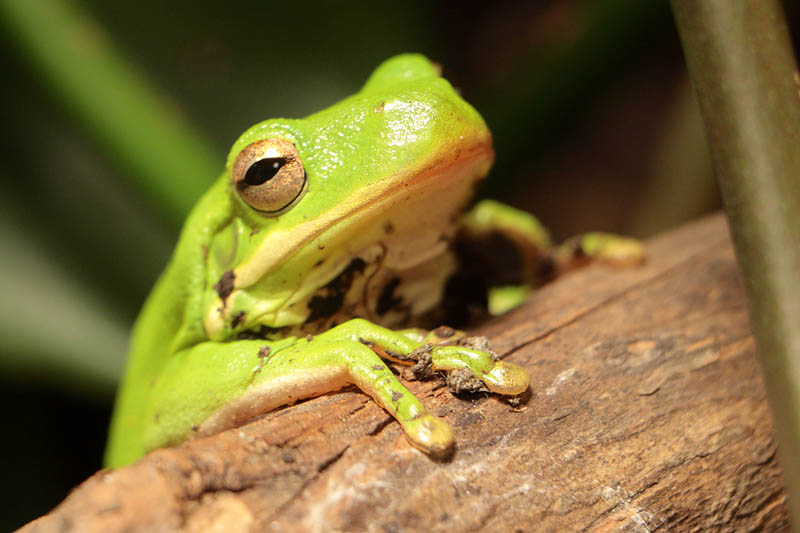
pixel 284 286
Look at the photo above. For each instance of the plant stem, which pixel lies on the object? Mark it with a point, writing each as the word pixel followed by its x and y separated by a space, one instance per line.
pixel 739 56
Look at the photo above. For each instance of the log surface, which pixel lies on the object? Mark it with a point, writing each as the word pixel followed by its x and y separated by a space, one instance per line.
pixel 647 412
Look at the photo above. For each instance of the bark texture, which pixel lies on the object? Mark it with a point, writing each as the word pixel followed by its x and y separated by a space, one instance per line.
pixel 647 412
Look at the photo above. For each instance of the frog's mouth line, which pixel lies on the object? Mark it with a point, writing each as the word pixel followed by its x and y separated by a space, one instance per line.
pixel 474 163
pixel 467 166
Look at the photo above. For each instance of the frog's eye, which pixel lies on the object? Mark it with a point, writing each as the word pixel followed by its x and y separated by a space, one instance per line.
pixel 269 175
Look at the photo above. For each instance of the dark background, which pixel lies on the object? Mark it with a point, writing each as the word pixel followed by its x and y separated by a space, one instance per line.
pixel 594 121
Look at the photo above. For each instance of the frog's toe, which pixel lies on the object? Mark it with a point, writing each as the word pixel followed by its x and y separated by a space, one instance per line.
pixel 507 379
pixel 613 249
pixel 430 434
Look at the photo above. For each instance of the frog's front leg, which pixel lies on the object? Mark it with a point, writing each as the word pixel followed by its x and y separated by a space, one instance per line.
pixel 214 386
pixel 407 347
pixel 423 430
pixel 510 253
pixel 327 363
pixel 223 385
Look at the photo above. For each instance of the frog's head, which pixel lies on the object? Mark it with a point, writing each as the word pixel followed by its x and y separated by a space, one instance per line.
pixel 349 211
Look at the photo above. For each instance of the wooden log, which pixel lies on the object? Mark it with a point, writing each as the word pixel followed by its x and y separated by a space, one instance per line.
pixel 647 411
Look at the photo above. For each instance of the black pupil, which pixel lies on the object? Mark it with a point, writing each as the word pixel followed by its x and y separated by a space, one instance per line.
pixel 264 170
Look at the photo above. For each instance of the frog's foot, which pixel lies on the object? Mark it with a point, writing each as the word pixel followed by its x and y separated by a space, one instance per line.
pixel 507 379
pixel 468 363
pixel 505 298
pixel 424 431
pixel 429 434
pixel 471 367
pixel 608 248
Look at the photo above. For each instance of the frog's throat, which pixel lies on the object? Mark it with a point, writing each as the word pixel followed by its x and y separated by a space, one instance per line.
pixel 456 170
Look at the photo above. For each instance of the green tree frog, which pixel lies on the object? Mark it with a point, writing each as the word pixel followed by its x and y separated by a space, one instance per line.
pixel 320 236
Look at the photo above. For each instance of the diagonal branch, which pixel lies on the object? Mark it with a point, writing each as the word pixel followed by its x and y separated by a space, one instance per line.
pixel 646 400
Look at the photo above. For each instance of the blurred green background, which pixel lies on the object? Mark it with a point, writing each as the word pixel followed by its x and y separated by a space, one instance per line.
pixel 117 115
